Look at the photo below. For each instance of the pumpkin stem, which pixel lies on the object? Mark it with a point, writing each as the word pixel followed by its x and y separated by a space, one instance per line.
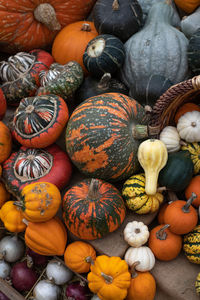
pixel 104 81
pixel 107 278
pixel 140 131
pixel 93 191
pixel 46 14
pixel 89 260
pixel 133 270
pixel 18 204
pixel 186 207
pixel 25 221
pixel 115 5
pixel 182 143
pixel 161 189
pixel 161 234
pixel 86 27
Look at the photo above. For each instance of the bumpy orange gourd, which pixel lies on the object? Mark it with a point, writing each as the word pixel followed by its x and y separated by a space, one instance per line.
pixel 187 5
pixel 11 217
pixel 39 201
pixel 109 278
pixel 46 238
pixel 194 186
pixel 4 194
pixel 78 256
pixel 164 244
pixel 5 142
pixel 71 41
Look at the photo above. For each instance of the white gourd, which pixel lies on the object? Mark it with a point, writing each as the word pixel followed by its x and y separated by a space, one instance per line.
pixel 171 138
pixel 188 126
pixel 142 254
pixel 136 233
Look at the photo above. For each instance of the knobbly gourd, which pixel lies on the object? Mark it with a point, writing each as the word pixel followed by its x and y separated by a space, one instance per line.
pixel 136 233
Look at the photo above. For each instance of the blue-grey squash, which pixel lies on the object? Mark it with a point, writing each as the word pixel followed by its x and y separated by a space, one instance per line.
pixel 157 48
pixel 191 23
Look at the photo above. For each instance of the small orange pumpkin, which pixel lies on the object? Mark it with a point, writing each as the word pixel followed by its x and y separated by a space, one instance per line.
pixel 4 194
pixel 5 142
pixel 161 213
pixel 187 5
pixel 78 256
pixel 46 238
pixel 185 108
pixel 71 41
pixel 164 244
pixel 194 186
pixel 11 217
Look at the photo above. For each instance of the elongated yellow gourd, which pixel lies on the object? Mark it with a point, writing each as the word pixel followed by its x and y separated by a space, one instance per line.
pixel 152 155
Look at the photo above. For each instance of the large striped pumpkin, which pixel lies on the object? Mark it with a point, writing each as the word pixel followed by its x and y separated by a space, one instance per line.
pixel 100 136
pixel 92 208
pixel 191 245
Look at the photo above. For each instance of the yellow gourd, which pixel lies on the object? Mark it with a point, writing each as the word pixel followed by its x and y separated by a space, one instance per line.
pixel 152 155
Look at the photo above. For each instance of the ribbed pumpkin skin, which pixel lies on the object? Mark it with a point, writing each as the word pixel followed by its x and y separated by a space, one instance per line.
pixel 21 36
pixel 191 245
pixel 194 150
pixel 99 137
pixel 90 219
pixel 148 51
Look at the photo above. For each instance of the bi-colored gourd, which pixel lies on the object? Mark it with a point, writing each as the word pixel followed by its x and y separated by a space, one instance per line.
pixel 194 187
pixel 39 201
pixel 152 155
pixel 134 194
pixel 5 142
pixel 164 244
pixel 109 278
pixel 191 245
pixel 136 233
pixel 188 126
pixel 194 150
pixel 170 137
pixel 79 256
pixel 143 255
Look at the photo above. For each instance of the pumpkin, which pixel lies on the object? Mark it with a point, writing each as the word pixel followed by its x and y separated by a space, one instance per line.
pixel 143 286
pixel 194 150
pixel 11 216
pixel 119 18
pixel 39 201
pixel 3 104
pixel 193 52
pixel 188 5
pixel 38 121
pixel 136 233
pixel 135 197
pixel 4 194
pixel 197 284
pixel 79 256
pixel 188 126
pixel 92 86
pixel 181 216
pixel 71 41
pixel 177 172
pixel 61 80
pixel 190 23
pixel 109 278
pixel 143 255
pixel 20 74
pixel 164 244
pixel 152 155
pixel 161 213
pixel 105 146
pixel 186 107
pixel 46 238
pixel 104 54
pixel 147 51
pixel 194 187
pixel 191 245
pixel 93 208
pixel 170 137
pixel 29 18
pixel 5 142
pixel 26 166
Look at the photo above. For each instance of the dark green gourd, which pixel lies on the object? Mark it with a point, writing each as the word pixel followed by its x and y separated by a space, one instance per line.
pixel 193 53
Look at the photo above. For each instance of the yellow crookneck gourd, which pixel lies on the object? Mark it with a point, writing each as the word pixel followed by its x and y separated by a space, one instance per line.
pixel 152 155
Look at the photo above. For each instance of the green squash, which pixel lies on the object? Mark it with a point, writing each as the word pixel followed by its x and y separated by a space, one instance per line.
pixel 178 171
pixel 191 245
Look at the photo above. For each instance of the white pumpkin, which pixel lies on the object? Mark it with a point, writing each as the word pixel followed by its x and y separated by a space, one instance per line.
pixel 171 138
pixel 188 126
pixel 136 233
pixel 144 255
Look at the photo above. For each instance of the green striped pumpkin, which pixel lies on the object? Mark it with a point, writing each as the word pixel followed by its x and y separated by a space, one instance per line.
pixel 191 245
pixel 194 149
pixel 133 192
pixel 197 284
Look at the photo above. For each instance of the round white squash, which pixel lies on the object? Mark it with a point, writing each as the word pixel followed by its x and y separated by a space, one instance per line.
pixel 171 138
pixel 144 255
pixel 188 126
pixel 136 233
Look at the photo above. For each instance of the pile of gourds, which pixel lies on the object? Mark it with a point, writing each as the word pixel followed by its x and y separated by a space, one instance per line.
pixel 96 82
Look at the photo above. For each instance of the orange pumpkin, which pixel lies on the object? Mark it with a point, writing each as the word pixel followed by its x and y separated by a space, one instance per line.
pixel 4 194
pixel 164 244
pixel 5 142
pixel 185 108
pixel 194 186
pixel 187 5
pixel 36 22
pixel 0 170
pixel 78 256
pixel 181 216
pixel 12 217
pixel 71 41
pixel 46 238
pixel 161 213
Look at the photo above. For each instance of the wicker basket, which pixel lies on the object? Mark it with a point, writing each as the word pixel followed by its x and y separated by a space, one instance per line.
pixel 166 106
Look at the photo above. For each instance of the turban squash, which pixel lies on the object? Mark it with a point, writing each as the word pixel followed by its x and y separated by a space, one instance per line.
pixel 31 28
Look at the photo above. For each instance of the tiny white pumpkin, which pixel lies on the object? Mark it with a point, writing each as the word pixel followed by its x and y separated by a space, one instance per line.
pixel 144 255
pixel 188 126
pixel 136 233
pixel 171 138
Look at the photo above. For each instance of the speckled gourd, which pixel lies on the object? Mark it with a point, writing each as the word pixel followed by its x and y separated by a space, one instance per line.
pixel 159 48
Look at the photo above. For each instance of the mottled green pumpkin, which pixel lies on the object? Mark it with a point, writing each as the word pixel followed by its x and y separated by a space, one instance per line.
pixel 136 199
pixel 191 245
